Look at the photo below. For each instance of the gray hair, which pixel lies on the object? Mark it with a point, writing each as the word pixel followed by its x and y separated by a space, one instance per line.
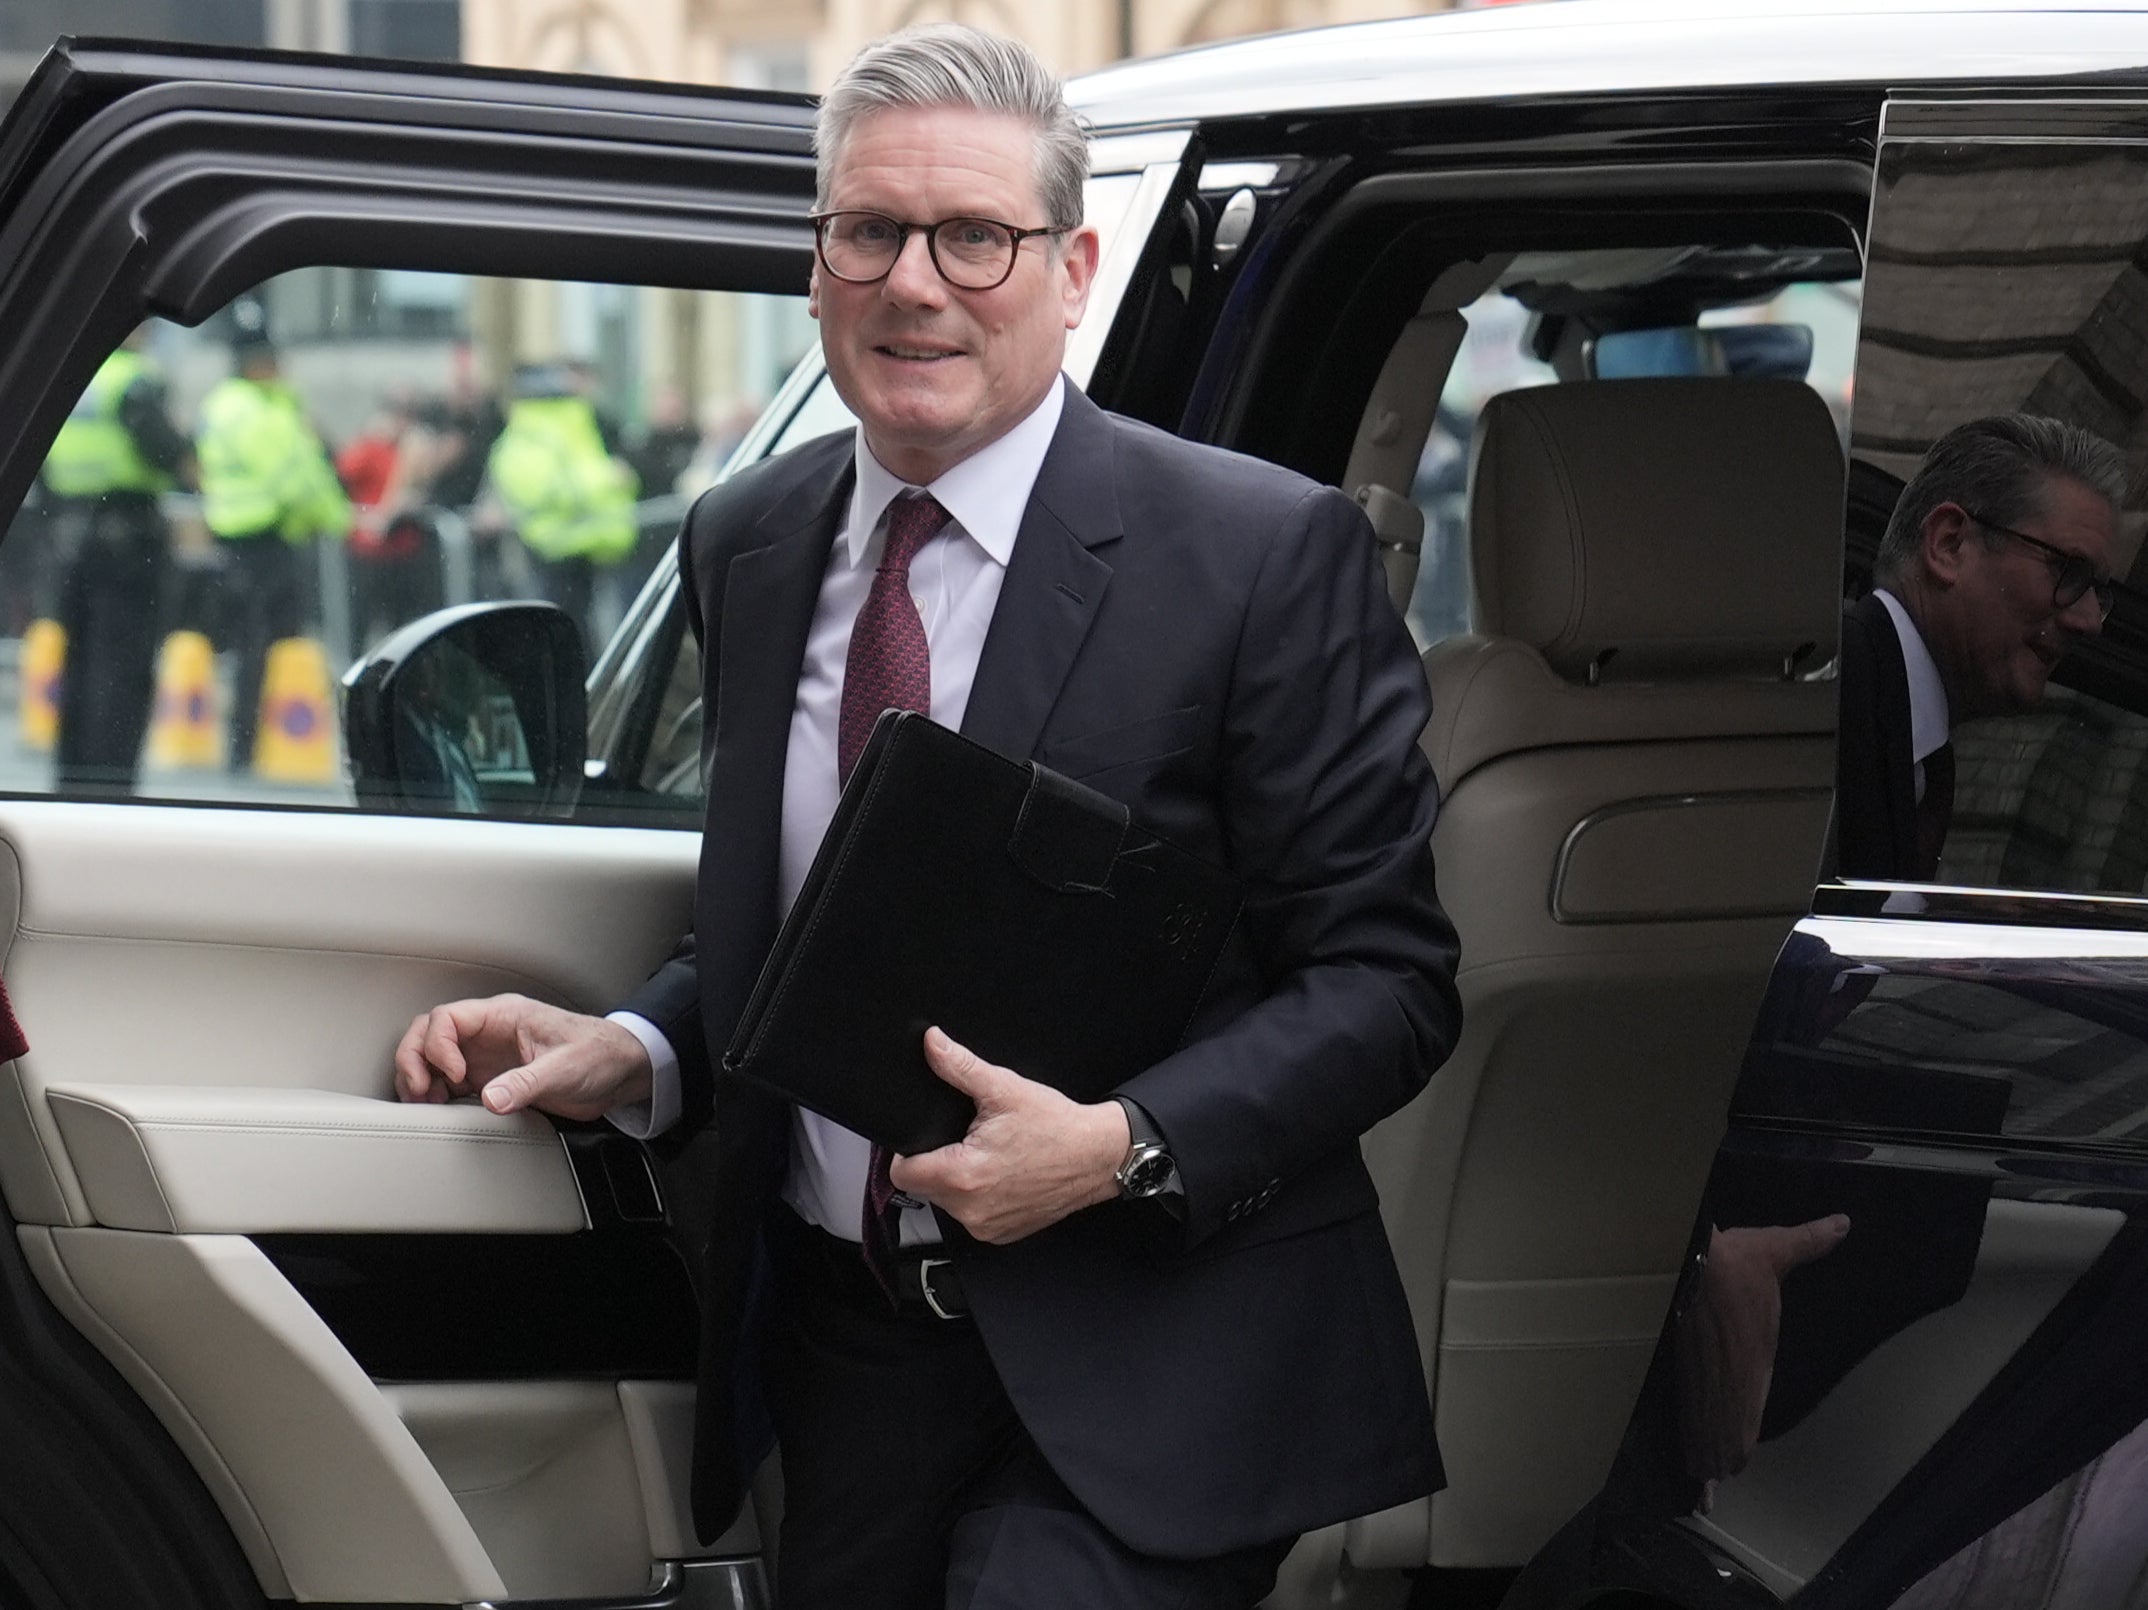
pixel 947 64
pixel 1998 468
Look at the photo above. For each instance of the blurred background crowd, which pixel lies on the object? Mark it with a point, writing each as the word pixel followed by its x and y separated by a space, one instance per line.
pixel 338 453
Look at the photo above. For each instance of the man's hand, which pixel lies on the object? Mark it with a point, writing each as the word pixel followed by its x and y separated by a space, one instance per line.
pixel 1725 1344
pixel 1030 1158
pixel 521 1053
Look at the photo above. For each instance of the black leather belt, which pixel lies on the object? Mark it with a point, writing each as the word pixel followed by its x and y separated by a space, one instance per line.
pixel 928 1282
pixel 928 1285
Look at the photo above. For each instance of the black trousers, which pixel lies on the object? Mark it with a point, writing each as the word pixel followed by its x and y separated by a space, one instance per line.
pixel 908 1482
pixel 110 596
pixel 262 604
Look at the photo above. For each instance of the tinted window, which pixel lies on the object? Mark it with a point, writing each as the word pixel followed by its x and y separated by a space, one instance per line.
pixel 2003 280
pixel 236 513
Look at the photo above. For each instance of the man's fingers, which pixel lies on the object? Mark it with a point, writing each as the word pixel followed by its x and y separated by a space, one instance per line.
pixel 1795 1245
pixel 510 1092
pixel 915 1176
pixel 545 1079
pixel 961 1067
pixel 573 1079
pixel 429 1062
pixel 413 1079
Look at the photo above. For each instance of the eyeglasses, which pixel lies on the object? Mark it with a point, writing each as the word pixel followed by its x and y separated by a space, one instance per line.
pixel 971 254
pixel 2071 575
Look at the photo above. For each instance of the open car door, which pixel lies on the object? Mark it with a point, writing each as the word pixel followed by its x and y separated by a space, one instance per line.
pixel 265 1333
pixel 1901 1369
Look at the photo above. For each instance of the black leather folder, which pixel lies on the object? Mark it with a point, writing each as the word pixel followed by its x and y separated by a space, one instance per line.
pixel 1024 914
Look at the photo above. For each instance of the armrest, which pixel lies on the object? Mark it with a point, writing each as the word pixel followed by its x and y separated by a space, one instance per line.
pixel 194 1160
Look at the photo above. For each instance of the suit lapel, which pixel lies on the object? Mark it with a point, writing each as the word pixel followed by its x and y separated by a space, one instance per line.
pixel 1054 585
pixel 768 600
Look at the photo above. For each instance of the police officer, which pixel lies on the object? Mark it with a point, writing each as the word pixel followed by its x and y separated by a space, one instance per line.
pixel 117 451
pixel 569 499
pixel 267 489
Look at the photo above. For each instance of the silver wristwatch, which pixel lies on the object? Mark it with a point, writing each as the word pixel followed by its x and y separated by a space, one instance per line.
pixel 1147 1169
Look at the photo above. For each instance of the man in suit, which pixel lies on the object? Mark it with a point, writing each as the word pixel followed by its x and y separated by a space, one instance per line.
pixel 1996 562
pixel 1177 1338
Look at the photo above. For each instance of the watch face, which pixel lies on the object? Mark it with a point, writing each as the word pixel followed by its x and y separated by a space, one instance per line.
pixel 1147 1173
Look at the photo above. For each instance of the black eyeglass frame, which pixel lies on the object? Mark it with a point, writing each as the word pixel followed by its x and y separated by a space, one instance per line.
pixel 2071 575
pixel 903 232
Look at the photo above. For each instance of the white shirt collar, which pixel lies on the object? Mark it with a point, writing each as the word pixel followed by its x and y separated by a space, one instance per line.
pixel 985 493
pixel 1929 718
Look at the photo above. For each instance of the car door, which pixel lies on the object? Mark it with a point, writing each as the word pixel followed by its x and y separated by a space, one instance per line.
pixel 269 1334
pixel 1901 1370
pixel 392 1355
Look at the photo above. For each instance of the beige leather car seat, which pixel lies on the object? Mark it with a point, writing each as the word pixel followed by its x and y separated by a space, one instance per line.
pixel 1636 763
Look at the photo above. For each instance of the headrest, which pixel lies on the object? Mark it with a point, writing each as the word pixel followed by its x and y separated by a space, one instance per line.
pixel 1637 529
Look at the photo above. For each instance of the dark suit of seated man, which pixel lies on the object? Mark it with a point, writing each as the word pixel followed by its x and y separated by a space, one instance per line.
pixel 1997 561
pixel 1178 1338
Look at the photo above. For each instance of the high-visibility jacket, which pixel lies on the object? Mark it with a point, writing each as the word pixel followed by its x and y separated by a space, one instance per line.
pixel 94 452
pixel 262 467
pixel 567 496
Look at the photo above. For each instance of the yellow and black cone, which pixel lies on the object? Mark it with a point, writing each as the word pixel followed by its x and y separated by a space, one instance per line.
pixel 44 662
pixel 184 730
pixel 295 741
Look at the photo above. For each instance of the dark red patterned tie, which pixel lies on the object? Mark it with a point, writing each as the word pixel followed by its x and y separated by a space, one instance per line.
pixel 889 668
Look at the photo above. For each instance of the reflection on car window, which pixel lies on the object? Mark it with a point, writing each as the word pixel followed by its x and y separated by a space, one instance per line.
pixel 236 513
pixel 1538 325
pixel 1996 440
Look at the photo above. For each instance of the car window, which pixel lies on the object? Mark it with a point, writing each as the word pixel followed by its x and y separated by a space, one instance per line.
pixel 2003 286
pixel 1508 346
pixel 235 513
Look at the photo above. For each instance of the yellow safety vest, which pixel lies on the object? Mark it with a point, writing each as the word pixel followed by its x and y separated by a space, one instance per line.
pixel 262 468
pixel 94 452
pixel 567 496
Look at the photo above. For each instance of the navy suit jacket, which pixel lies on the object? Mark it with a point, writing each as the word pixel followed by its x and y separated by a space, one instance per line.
pixel 1207 638
pixel 1875 779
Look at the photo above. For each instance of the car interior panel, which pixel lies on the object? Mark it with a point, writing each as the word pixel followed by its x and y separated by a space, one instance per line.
pixel 138 1199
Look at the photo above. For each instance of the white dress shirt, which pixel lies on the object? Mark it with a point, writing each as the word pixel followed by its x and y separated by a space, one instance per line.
pixel 1929 717
pixel 955 582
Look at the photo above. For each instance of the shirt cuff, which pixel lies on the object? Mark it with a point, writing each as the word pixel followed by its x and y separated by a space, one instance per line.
pixel 645 1120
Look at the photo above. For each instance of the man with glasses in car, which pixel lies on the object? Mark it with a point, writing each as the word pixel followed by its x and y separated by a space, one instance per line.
pixel 1111 1353
pixel 1997 561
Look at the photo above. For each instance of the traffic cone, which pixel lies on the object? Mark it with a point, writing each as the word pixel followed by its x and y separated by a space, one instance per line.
pixel 184 730
pixel 44 661
pixel 295 741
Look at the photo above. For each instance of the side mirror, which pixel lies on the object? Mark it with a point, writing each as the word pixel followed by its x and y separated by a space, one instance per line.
pixel 477 710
